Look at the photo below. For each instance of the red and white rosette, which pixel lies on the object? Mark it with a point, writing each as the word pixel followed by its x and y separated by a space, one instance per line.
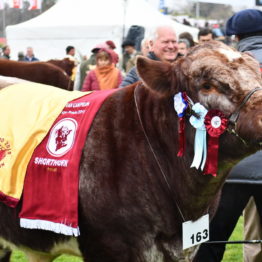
pixel 216 124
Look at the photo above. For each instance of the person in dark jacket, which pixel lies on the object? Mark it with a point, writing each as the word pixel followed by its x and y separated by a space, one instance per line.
pixel 205 35
pixel 163 46
pixel 6 52
pixel 245 179
pixel 129 55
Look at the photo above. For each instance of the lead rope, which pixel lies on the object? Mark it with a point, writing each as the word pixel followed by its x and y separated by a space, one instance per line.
pixel 234 242
pixel 152 150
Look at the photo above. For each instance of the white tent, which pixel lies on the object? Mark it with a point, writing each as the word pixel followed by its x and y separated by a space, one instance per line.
pixel 83 24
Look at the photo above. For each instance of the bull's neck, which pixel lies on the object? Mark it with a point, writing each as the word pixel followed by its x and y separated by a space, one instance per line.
pixel 199 191
pixel 192 191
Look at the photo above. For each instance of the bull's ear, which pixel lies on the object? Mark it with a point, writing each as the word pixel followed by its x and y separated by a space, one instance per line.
pixel 155 74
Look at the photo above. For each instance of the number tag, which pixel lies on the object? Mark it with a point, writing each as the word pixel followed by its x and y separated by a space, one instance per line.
pixel 195 232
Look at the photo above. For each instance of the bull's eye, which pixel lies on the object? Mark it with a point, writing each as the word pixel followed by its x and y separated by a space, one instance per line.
pixel 207 87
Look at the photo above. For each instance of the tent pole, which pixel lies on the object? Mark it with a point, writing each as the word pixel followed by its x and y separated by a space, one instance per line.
pixel 197 9
pixel 4 35
pixel 124 22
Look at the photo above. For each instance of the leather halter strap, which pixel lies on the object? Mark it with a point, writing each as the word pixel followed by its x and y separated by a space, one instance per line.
pixel 234 117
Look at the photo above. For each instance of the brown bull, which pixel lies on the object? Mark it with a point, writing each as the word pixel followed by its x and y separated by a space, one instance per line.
pixel 39 72
pixel 134 192
pixel 66 64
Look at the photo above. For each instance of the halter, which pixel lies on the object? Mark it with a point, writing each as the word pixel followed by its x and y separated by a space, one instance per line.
pixel 234 116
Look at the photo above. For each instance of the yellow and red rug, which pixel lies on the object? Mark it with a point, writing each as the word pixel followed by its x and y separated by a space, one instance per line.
pixel 41 141
pixel 28 111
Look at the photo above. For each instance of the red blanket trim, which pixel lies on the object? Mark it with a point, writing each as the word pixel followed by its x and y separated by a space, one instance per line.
pixel 8 200
pixel 50 196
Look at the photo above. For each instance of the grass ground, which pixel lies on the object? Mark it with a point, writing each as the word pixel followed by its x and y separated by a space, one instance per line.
pixel 19 256
pixel 233 251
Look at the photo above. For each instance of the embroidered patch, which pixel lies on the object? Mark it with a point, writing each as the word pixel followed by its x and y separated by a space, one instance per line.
pixel 216 121
pixel 5 150
pixel 62 137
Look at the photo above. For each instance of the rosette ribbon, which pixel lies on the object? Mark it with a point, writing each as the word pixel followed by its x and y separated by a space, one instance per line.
pixel 181 104
pixel 200 147
pixel 216 124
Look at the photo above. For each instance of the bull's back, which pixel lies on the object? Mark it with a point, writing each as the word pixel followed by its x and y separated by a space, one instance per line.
pixel 39 72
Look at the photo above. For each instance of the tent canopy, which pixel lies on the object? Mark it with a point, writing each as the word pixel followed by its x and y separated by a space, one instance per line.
pixel 84 24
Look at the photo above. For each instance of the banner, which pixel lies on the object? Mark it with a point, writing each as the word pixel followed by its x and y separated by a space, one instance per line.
pixel 162 7
pixel 35 4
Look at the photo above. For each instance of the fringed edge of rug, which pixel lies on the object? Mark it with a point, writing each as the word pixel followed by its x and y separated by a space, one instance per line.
pixel 50 226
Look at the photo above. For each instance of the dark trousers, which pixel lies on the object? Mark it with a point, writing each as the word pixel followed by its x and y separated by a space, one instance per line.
pixel 234 198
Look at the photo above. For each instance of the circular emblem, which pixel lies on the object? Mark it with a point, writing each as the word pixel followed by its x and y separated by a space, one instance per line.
pixel 62 137
pixel 216 122
pixel 5 150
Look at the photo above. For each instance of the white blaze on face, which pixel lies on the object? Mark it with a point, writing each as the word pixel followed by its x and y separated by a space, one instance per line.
pixel 230 54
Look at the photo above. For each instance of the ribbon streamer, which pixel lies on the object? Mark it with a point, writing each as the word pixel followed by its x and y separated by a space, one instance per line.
pixel 180 105
pixel 200 151
pixel 181 138
pixel 216 124
pixel 211 163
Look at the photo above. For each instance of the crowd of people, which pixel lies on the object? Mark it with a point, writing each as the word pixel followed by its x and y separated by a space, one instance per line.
pixel 105 70
pixel 124 62
pixel 28 56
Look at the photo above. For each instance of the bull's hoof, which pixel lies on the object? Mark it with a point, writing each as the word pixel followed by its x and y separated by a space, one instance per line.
pixel 5 255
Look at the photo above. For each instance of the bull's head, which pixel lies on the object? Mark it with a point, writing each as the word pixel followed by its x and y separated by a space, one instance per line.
pixel 218 77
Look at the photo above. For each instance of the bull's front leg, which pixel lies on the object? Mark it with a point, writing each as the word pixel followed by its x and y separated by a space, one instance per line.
pixel 105 247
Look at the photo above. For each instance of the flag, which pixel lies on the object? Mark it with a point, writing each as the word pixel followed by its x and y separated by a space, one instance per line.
pixel 35 4
pixel 16 4
pixel 2 4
